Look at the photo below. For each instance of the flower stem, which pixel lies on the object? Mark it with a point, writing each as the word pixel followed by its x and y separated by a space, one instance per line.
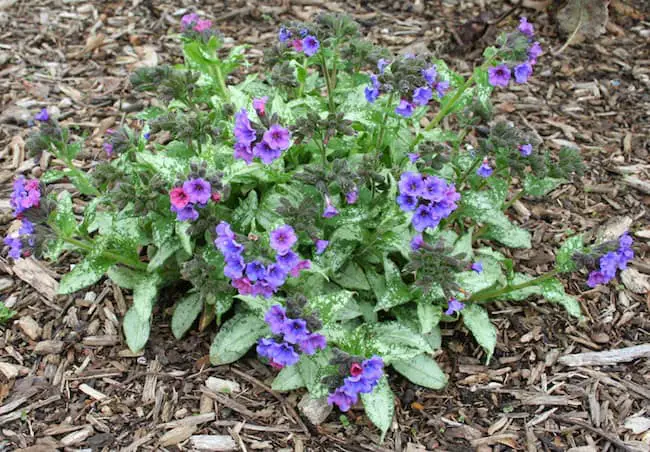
pixel 221 83
pixel 514 199
pixel 137 265
pixel 328 82
pixel 484 296
pixel 471 169
pixel 382 128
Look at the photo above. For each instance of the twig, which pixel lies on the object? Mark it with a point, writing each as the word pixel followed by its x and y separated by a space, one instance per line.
pixel 621 355
pixel 607 436
pixel 573 35
pixel 277 396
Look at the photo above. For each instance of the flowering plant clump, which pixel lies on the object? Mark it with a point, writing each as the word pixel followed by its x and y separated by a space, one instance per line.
pixel 319 212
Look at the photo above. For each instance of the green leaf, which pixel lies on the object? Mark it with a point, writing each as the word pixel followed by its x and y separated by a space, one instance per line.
pixel 393 341
pixel 182 232
pixel 185 313
pixel 52 175
pixel 136 330
pixel 85 274
pixel 244 214
pixel 428 316
pixel 422 370
pixel 352 277
pixel 329 305
pixel 521 294
pixel 395 292
pixel 64 219
pixel 236 337
pixel 167 167
pixel 464 245
pixel 553 291
pixel 162 229
pixel 5 313
pixel 474 282
pixel 312 369
pixel 82 182
pixel 541 186
pixel 288 379
pixel 477 321
pixel 563 258
pixel 336 254
pixel 380 406
pixel 166 250
pixel 125 277
pixel 145 293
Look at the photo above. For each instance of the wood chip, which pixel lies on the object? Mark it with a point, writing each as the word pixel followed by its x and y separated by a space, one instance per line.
pixel 77 437
pixel 48 347
pixel 91 392
pixel 176 435
pixel 35 274
pixel 217 443
pixel 607 357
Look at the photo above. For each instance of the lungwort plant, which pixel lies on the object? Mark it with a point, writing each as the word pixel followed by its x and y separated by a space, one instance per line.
pixel 329 213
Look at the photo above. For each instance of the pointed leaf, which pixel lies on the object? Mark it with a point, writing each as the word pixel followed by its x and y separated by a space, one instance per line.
pixel 288 379
pixel 553 291
pixel 564 255
pixel 236 337
pixel 185 313
pixel 136 330
pixel 145 293
pixel 477 321
pixel 380 406
pixel 312 369
pixel 422 370
pixel 352 277
pixel 85 274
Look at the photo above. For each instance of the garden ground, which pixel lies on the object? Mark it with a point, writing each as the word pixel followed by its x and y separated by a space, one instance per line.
pixel 67 380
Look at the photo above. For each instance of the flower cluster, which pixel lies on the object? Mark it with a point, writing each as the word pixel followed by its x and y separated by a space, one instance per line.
pixel 362 377
pixel 500 75
pixel 194 193
pixel 420 96
pixel 26 194
pixel 306 43
pixel 430 197
pixel 292 336
pixel 612 261
pixel 274 141
pixel 17 241
pixel 254 277
pixel 193 22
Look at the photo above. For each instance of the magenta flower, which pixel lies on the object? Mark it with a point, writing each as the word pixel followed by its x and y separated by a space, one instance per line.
pixel 243 151
pixel 300 266
pixel 277 137
pixel 283 238
pixel 202 25
pixel 188 19
pixel 259 104
pixel 243 132
pixel 108 148
pixel 178 197
pixel 499 75
pixel 297 45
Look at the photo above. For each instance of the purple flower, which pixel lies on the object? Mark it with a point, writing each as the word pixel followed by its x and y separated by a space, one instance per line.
pixel 265 153
pixel 302 265
pixel 596 278
pixel 108 148
pixel 352 196
pixel 312 342
pixel 277 137
pixel 26 194
pixel 485 170
pixel 382 64
pixel 373 368
pixel 534 52
pixel 275 318
pixel 413 156
pixel 405 108
pixel 411 184
pixel 310 45
pixel 416 242
pixel 42 115
pixel 526 149
pixel 372 91
pixel 526 27
pixel 499 75
pixel 477 267
pixel 146 135
pixel 342 399
pixel 284 34
pixel 265 347
pixel 321 246
pixel 188 19
pixel 609 264
pixel 625 240
pixel 422 95
pixel 295 330
pixel 244 152
pixel 441 88
pixel 287 260
pixel 243 286
pixel 255 270
pixel 454 306
pixel 303 32
pixel 407 203
pixel 15 246
pixel 434 189
pixel 284 354
pixel 357 384
pixel 223 230
pixel 187 213
pixel 283 238
pixel 275 275
pixel 423 218
pixel 330 211
pixel 263 288
pixel 243 131
pixel 259 104
pixel 522 72
pixel 430 74
pixel 198 190
pixel 232 248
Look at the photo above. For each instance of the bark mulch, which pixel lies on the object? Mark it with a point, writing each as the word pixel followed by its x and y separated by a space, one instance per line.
pixel 68 381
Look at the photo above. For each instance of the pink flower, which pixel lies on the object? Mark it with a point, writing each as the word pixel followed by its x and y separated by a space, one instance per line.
pixel 202 25
pixel 178 197
pixel 297 45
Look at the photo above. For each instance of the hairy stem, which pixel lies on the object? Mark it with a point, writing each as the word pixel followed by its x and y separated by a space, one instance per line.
pixel 382 128
pixel 514 199
pixel 328 82
pixel 482 297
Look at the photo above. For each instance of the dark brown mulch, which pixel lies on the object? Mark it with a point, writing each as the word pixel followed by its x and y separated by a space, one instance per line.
pixel 68 380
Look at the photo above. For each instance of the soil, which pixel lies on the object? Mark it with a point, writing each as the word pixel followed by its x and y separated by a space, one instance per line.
pixel 68 381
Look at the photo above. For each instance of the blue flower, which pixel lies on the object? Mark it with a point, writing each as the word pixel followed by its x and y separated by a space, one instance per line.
pixel 407 203
pixel 485 170
pixel 411 184
pixel 255 270
pixel 275 318
pixel 321 246
pixel 422 95
pixel 310 45
pixel 284 34
pixel 477 267
pixel 430 75
pixel 295 330
pixel 454 306
pixel 522 72
pixel 405 108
